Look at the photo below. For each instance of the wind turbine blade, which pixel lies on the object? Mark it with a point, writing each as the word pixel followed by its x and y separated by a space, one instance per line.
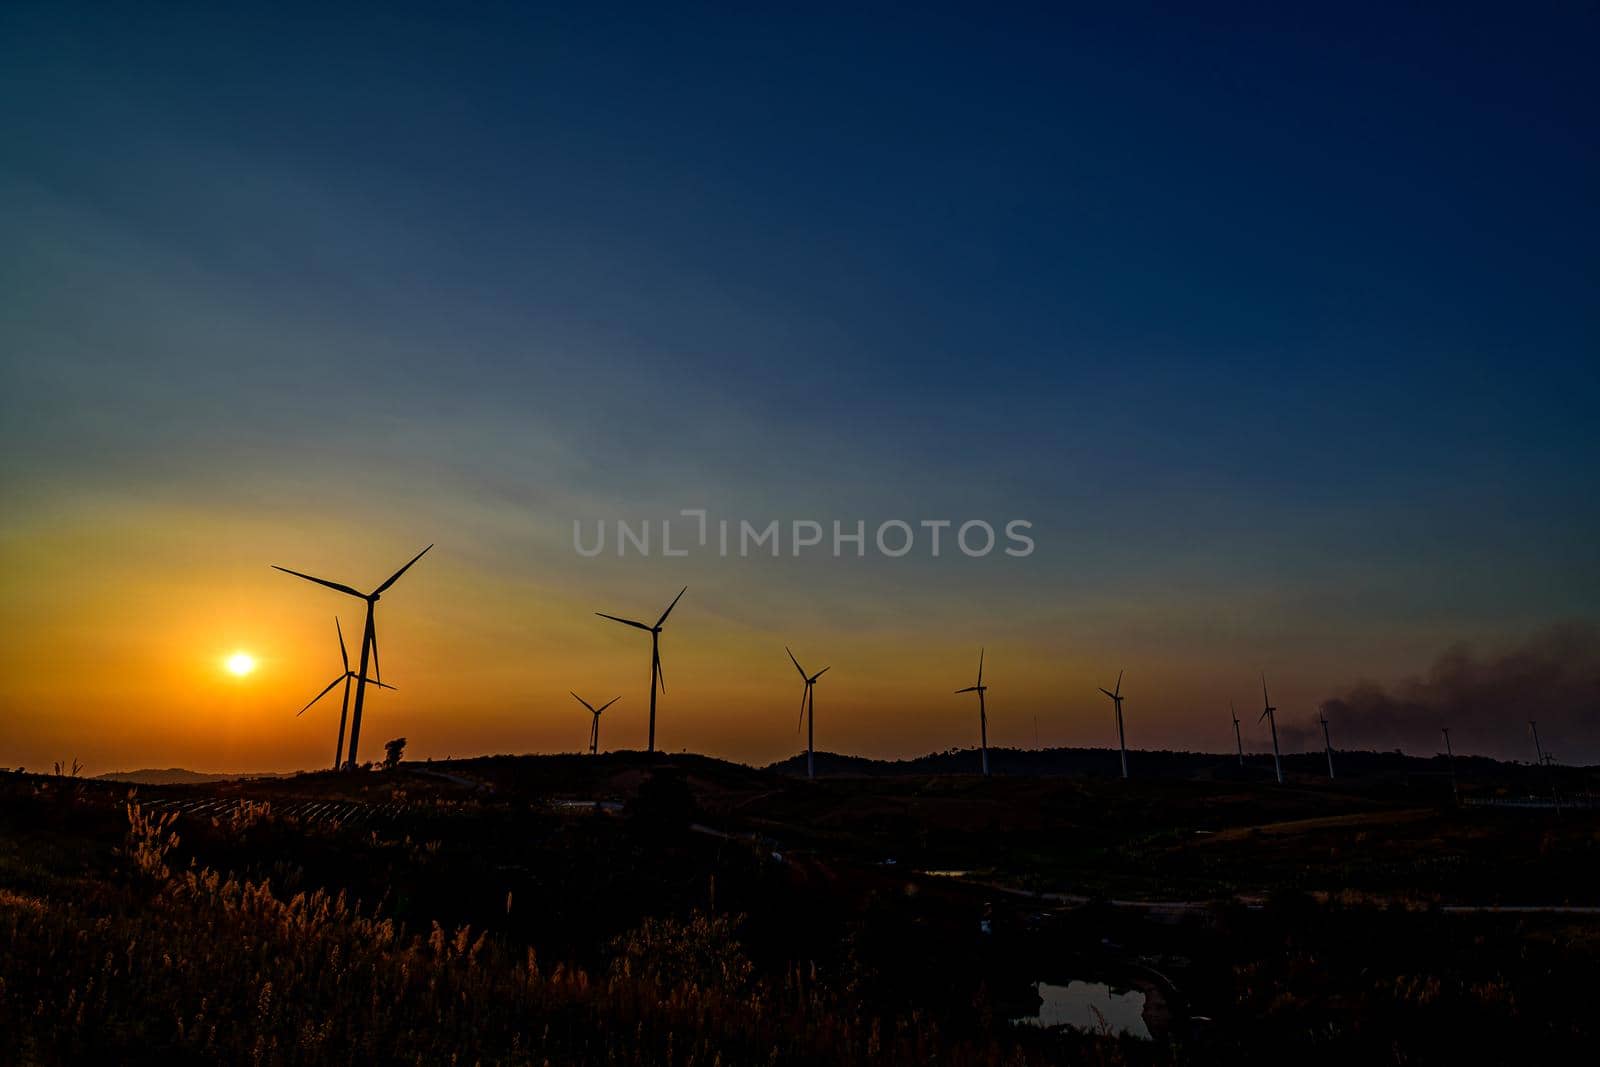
pixel 319 696
pixel 1108 692
pixel 377 669
pixel 582 701
pixel 819 674
pixel 1264 701
pixel 803 694
pixel 395 577
pixel 672 605
pixel 980 666
pixel 795 662
pixel 606 705
pixel 1264 714
pixel 380 685
pixel 342 653
pixel 661 677
pixel 321 581
pixel 1118 690
pixel 968 689
pixel 625 622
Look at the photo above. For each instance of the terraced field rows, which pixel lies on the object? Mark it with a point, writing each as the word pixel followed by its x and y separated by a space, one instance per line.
pixel 310 812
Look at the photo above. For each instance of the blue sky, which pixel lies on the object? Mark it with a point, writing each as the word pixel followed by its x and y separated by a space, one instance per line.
pixel 1292 306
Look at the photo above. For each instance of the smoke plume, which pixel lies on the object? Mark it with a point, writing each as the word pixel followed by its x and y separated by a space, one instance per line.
pixel 1486 701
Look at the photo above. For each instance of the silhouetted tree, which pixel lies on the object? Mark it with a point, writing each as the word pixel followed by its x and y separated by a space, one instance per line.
pixel 393 751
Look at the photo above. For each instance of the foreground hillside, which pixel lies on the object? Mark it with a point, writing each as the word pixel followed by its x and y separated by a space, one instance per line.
pixel 623 909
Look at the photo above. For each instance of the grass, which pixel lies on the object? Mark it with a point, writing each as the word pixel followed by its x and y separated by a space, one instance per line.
pixel 483 926
pixel 158 959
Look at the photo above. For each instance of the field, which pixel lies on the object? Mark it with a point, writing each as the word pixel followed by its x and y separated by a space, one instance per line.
pixel 620 909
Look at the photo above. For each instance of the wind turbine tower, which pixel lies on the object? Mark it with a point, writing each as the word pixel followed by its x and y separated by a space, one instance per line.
pixel 1450 758
pixel 1122 741
pixel 808 711
pixel 655 656
pixel 983 717
pixel 1544 759
pixel 369 640
pixel 1270 714
pixel 1327 746
pixel 344 711
pixel 1237 739
pixel 594 727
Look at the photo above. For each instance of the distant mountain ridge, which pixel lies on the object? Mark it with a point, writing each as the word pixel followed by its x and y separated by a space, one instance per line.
pixel 174 776
pixel 1144 763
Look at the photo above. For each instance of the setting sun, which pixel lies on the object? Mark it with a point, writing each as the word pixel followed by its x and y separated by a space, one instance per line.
pixel 240 664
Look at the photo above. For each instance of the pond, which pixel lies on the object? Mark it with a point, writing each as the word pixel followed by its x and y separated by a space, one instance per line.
pixel 1091 1006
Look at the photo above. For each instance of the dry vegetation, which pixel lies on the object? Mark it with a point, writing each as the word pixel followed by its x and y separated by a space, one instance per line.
pixel 486 926
pixel 151 962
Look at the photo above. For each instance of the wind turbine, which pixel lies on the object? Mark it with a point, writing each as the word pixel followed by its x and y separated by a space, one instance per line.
pixel 594 728
pixel 983 717
pixel 1270 714
pixel 1450 757
pixel 1550 773
pixel 808 696
pixel 346 677
pixel 1122 741
pixel 369 639
pixel 1545 759
pixel 1327 746
pixel 655 656
pixel 1237 739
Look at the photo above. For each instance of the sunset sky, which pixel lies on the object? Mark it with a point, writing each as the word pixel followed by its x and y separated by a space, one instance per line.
pixel 1283 336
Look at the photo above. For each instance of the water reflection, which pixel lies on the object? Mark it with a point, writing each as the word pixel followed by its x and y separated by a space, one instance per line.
pixel 1091 1006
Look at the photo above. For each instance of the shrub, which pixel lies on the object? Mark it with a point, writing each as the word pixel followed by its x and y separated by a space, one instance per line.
pixel 702 954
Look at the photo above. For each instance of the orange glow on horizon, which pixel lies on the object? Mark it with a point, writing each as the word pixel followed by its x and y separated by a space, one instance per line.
pixel 483 648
